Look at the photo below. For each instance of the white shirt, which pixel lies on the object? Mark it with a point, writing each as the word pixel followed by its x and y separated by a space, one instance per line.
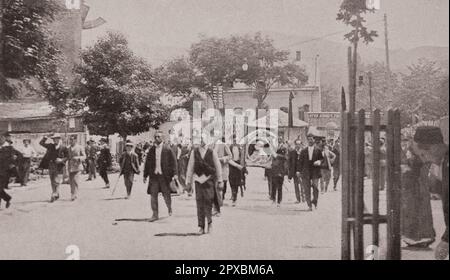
pixel 158 151
pixel 28 152
pixel 310 152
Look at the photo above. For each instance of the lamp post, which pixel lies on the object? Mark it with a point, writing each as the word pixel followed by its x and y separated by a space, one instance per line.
pixel 361 82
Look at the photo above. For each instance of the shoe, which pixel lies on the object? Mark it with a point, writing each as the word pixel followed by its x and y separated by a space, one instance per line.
pixel 278 205
pixel 52 199
pixel 170 212
pixel 297 202
pixel 233 204
pixel 73 198
pixel 8 203
pixel 153 219
pixel 310 209
pixel 209 230
pixel 201 230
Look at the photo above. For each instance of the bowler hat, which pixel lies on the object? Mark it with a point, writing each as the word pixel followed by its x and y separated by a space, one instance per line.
pixel 129 143
pixel 428 135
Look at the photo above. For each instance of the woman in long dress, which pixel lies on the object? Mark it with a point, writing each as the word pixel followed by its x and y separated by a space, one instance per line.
pixel 416 216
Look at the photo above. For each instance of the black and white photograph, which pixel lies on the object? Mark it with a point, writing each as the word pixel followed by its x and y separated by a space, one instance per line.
pixel 224 130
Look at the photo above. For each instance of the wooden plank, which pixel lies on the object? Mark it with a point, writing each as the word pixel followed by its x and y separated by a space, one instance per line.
pixel 344 164
pixel 396 188
pixel 359 188
pixel 375 176
pixel 390 185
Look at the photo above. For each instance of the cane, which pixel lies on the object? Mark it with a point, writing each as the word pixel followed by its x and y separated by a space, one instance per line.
pixel 115 185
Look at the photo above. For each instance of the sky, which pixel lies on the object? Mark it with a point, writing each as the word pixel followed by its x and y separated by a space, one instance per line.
pixel 178 23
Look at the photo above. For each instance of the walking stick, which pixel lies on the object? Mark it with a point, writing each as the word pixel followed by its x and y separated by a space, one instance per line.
pixel 116 184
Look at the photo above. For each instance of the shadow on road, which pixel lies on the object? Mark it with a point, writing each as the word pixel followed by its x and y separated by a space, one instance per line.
pixel 178 234
pixel 136 220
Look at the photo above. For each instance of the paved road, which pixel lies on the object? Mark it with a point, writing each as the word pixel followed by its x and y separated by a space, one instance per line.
pixel 105 227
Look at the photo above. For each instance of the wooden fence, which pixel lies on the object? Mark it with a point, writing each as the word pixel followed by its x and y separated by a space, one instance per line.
pixel 354 219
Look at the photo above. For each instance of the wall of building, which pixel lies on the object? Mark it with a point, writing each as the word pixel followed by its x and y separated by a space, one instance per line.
pixel 276 99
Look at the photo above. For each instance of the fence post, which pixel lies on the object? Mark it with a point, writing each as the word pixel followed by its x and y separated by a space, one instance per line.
pixel 375 176
pixel 359 186
pixel 345 167
pixel 396 192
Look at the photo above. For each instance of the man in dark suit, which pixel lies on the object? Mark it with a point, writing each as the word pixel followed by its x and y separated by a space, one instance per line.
pixel 161 168
pixel 129 165
pixel 309 167
pixel 8 155
pixel 294 158
pixel 55 161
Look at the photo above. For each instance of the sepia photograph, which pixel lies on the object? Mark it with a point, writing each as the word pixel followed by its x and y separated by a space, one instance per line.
pixel 224 130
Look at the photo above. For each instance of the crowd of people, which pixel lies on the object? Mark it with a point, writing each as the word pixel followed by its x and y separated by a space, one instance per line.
pixel 207 169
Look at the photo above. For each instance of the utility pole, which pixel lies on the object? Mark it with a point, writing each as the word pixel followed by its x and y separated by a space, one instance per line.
pixel 370 92
pixel 350 75
pixel 388 64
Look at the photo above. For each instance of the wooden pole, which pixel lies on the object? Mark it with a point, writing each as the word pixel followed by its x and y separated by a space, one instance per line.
pixel 345 167
pixel 359 186
pixel 388 63
pixel 376 176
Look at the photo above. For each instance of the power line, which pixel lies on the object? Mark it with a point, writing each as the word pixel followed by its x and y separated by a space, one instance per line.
pixel 325 36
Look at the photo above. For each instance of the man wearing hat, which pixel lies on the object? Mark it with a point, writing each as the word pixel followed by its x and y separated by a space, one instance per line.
pixel 28 153
pixel 309 167
pixel 7 156
pixel 161 169
pixel 75 165
pixel 104 161
pixel 54 160
pixel 129 165
pixel 430 147
pixel 91 156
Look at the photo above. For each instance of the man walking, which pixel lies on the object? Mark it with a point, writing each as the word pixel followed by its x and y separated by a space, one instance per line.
pixel 104 161
pixel 336 164
pixel 203 172
pixel 75 165
pixel 7 157
pixel 91 156
pixel 55 161
pixel 294 158
pixel 309 167
pixel 160 168
pixel 129 165
pixel 328 158
pixel 28 153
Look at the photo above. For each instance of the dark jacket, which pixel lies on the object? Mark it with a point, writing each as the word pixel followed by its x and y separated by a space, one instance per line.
pixel 445 179
pixel 279 166
pixel 168 163
pixel 294 161
pixel 134 163
pixel 306 167
pixel 104 160
pixel 52 154
pixel 7 160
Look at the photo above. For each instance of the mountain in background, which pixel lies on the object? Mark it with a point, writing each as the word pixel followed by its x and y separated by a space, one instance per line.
pixel 333 56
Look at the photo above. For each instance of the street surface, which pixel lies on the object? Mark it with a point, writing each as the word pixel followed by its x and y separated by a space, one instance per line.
pixel 105 227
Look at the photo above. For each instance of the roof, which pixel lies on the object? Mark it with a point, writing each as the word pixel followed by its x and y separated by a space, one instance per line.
pixel 24 110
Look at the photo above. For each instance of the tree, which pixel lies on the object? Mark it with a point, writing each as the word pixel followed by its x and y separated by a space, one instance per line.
pixel 424 91
pixel 267 66
pixel 350 13
pixel 27 49
pixel 118 89
pixel 218 62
